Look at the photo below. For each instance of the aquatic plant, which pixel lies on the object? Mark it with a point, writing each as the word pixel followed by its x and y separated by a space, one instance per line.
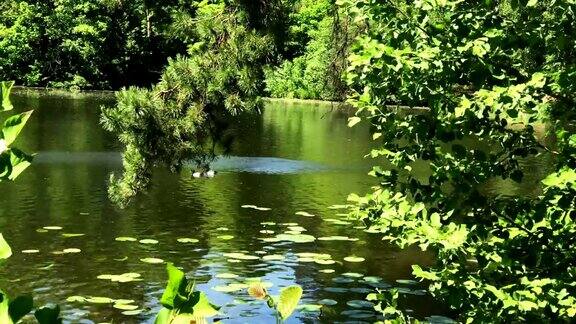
pixel 181 302
pixel 283 305
pixel 12 160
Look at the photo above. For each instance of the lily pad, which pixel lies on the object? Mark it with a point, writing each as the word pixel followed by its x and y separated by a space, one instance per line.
pixel 100 300
pixel 327 302
pixel 148 241
pixel 52 228
pixel 125 277
pixel 343 280
pixel 152 260
pixel 256 207
pixel 337 238
pixel 297 228
pixel 226 276
pixel 296 238
pixel 132 312
pixel 126 239
pixel 354 259
pixel 226 237
pixel 68 235
pixel 30 251
pixel 71 250
pixel 126 307
pixel 305 214
pixel 78 299
pixel 187 240
pixel 353 275
pixel 360 304
pixel 327 270
pixel 336 289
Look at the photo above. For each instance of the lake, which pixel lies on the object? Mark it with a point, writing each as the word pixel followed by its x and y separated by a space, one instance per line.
pixel 297 160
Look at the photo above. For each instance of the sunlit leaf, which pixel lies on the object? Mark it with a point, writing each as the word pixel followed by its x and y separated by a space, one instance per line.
pixel 148 241
pixel 152 260
pixel 125 306
pixel 176 287
pixel 353 259
pixel 100 300
pixel 187 240
pixel 68 235
pixel 52 228
pixel 305 214
pixel 13 126
pixel 5 250
pixel 126 239
pixel 288 300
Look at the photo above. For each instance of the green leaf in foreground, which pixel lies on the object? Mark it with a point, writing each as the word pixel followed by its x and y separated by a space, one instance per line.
pixel 48 315
pixel 14 125
pixel 175 292
pixel 5 250
pixel 288 300
pixel 19 307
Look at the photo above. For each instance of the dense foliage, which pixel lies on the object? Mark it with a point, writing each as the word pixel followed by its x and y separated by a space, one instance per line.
pixel 87 44
pixel 320 36
pixel 491 73
pixel 184 117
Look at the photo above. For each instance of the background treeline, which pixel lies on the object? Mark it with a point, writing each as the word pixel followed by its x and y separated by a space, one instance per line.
pixel 109 44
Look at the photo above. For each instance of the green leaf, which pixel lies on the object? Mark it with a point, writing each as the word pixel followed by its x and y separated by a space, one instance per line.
pixel 203 307
pixel 5 88
pixel 48 315
pixel 20 161
pixel 13 126
pixel 5 250
pixel 19 307
pixel 353 121
pixel 175 292
pixel 4 313
pixel 288 300
pixel 164 316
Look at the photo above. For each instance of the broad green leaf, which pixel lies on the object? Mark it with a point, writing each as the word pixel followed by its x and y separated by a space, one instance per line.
pixel 288 300
pixel 19 307
pixel 5 88
pixel 175 291
pixel 13 126
pixel 164 316
pixel 5 250
pixel 203 308
pixel 48 315
pixel 4 313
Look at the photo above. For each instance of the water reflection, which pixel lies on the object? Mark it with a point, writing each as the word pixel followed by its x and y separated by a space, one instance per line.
pixel 290 159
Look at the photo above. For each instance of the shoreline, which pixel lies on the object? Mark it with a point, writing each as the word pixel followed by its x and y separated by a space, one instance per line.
pixel 79 94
